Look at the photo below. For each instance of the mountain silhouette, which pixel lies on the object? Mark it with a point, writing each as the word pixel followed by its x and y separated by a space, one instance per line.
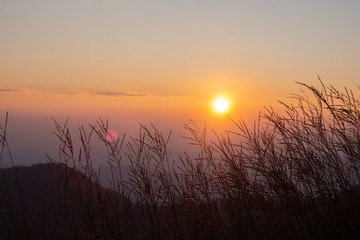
pixel 51 200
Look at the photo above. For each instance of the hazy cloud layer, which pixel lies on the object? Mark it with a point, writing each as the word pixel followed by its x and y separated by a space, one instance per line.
pixel 9 90
pixel 120 94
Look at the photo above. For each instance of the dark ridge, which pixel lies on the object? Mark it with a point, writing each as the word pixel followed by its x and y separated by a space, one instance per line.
pixel 43 197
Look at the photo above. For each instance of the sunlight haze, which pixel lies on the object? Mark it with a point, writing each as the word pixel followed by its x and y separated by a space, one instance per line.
pixel 162 62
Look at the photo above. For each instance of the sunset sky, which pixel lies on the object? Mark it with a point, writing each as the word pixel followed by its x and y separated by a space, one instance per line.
pixel 163 62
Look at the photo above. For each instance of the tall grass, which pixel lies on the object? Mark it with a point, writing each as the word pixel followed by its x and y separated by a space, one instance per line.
pixel 289 176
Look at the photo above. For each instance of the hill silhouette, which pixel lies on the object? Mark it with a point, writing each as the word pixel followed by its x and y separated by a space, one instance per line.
pixel 44 197
pixel 41 183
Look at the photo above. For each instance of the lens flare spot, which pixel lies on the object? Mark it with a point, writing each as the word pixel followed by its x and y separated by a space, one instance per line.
pixel 111 135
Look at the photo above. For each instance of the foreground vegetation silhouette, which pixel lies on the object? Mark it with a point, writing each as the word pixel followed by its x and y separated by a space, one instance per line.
pixel 293 175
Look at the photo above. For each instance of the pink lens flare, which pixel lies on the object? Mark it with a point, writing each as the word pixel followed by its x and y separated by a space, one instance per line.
pixel 111 135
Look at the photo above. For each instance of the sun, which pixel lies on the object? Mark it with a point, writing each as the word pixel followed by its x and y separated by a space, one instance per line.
pixel 221 105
